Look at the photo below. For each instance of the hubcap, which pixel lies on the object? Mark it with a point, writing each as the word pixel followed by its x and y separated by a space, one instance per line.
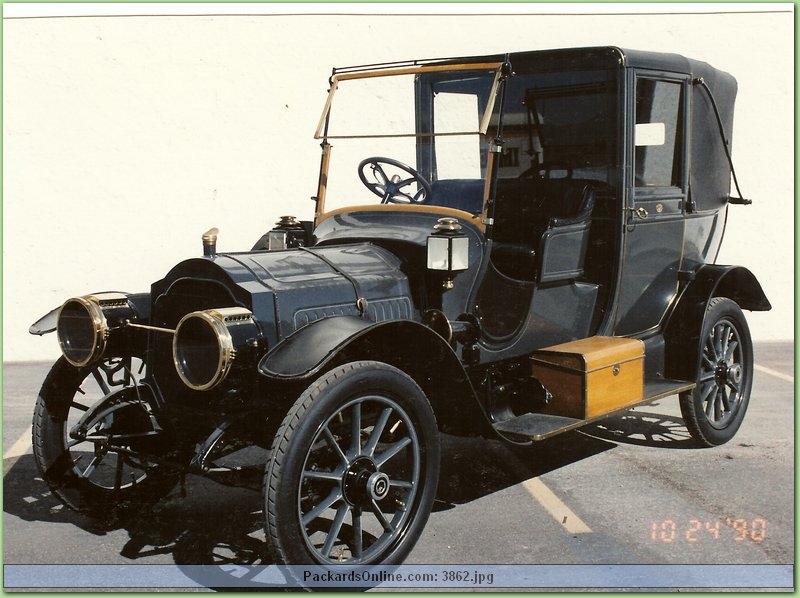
pixel 734 374
pixel 378 485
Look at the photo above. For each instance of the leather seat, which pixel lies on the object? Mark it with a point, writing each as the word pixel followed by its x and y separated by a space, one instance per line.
pixel 550 244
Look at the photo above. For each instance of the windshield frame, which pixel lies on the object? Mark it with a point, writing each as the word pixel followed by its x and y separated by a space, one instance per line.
pixel 321 131
pixel 353 73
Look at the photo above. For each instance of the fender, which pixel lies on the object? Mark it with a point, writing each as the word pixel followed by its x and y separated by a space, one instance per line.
pixel 682 331
pixel 46 324
pixel 129 416
pixel 303 353
pixel 140 302
pixel 405 344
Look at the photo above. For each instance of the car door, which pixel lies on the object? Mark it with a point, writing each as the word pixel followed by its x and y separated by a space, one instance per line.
pixel 656 192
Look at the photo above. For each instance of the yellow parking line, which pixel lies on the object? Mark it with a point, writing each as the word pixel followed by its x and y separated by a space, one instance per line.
pixel 775 373
pixel 559 511
pixel 20 447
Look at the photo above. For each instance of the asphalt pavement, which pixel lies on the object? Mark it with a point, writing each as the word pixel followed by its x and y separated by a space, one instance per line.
pixel 627 503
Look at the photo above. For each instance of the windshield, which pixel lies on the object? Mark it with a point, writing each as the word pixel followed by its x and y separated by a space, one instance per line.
pixel 428 135
pixel 401 135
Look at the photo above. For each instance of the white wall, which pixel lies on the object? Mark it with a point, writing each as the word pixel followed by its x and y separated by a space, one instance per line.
pixel 125 138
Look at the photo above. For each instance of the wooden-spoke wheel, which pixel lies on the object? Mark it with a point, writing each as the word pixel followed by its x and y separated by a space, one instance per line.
pixel 353 470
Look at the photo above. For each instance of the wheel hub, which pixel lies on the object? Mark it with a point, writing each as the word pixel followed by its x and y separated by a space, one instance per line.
pixel 363 483
pixel 728 374
pixel 735 374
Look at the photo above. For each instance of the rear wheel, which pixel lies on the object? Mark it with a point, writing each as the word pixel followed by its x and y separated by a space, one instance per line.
pixel 96 473
pixel 714 410
pixel 353 470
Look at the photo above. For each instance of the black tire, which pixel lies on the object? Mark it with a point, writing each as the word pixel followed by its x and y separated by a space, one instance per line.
pixel 714 409
pixel 82 474
pixel 332 498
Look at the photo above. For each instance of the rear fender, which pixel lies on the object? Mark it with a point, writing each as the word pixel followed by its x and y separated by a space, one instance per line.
pixel 682 332
pixel 407 345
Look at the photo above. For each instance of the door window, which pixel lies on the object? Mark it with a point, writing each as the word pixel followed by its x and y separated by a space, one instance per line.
pixel 658 134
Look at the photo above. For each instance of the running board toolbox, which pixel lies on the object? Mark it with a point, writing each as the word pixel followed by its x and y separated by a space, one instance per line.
pixel 590 377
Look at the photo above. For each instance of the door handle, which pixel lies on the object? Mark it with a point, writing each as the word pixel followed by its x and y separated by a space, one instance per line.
pixel 641 213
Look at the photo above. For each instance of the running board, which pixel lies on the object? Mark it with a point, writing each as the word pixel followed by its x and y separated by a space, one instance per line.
pixel 659 389
pixel 540 426
pixel 537 426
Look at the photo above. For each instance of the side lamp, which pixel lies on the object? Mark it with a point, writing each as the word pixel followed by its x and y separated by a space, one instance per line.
pixel 448 250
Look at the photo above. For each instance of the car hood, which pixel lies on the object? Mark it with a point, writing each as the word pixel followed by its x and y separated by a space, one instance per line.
pixel 288 289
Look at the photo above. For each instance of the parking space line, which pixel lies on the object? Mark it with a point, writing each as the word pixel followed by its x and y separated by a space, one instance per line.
pixel 20 447
pixel 553 505
pixel 775 373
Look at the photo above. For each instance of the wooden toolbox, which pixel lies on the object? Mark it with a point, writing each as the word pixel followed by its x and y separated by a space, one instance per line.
pixel 591 376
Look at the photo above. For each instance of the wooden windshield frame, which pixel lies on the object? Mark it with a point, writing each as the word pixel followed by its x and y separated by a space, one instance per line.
pixel 321 131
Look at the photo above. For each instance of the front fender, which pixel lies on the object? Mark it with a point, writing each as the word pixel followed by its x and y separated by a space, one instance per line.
pixel 122 413
pixel 46 324
pixel 303 353
pixel 682 331
pixel 405 344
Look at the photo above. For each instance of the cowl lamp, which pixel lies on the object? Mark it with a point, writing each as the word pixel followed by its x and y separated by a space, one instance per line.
pixel 448 250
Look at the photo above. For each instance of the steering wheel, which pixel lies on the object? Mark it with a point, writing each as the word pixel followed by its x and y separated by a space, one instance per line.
pixel 390 188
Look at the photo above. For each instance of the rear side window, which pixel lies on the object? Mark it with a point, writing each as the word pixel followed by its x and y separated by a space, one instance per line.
pixel 560 124
pixel 659 133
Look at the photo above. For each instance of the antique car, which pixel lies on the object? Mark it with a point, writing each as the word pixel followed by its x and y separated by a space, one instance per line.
pixel 507 246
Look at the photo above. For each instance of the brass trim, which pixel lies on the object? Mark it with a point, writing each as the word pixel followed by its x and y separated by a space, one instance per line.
pixel 146 327
pixel 217 320
pixel 210 236
pixel 100 328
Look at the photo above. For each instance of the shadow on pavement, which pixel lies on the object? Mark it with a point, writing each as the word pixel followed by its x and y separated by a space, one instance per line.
pixel 643 429
pixel 475 467
pixel 211 524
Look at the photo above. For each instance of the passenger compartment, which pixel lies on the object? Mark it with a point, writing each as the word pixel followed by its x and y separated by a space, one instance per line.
pixel 541 228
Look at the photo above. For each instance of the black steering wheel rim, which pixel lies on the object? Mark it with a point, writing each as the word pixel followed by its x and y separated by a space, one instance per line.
pixel 389 189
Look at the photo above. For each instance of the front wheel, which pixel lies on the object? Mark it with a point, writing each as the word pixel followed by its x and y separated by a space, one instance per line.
pixel 353 469
pixel 102 470
pixel 714 410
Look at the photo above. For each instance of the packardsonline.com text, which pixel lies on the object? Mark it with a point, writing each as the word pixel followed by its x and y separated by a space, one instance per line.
pixel 443 578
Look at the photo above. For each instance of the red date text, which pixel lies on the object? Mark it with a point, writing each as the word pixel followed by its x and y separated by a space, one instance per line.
pixel 697 530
